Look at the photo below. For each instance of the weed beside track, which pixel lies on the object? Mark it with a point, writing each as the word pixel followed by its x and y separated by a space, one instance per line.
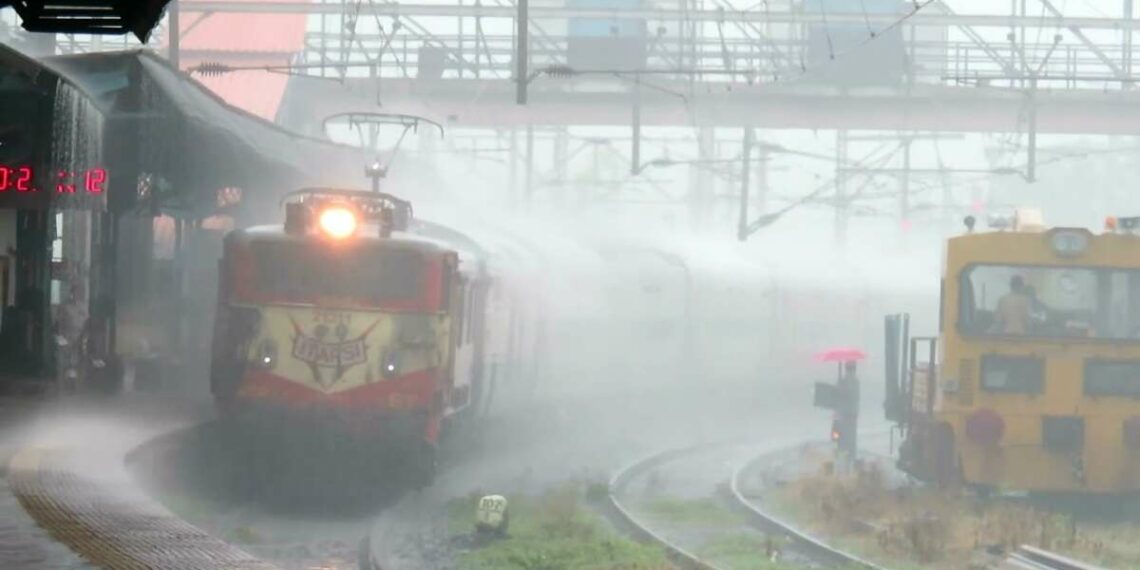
pixel 921 527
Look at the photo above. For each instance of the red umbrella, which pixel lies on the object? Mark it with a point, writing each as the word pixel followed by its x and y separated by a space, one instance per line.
pixel 841 354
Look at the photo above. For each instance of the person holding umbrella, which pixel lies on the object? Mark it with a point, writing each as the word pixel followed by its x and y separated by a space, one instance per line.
pixel 845 424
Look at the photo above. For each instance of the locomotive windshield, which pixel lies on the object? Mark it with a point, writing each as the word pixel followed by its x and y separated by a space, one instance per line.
pixel 370 274
pixel 1056 302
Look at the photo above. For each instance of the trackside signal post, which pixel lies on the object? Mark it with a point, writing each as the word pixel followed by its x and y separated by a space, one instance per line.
pixel 843 398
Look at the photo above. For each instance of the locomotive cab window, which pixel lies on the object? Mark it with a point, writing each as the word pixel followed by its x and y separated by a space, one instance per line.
pixel 1050 302
pixel 369 274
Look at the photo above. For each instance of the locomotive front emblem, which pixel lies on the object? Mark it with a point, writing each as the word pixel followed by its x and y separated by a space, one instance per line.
pixel 328 351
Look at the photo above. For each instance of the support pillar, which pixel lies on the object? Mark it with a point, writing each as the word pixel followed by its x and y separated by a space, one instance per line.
pixel 521 64
pixel 700 181
pixel 1031 166
pixel 841 199
pixel 904 186
pixel 529 167
pixel 587 193
pixel 512 170
pixel 174 31
pixel 947 204
pixel 745 169
pixel 760 171
pixel 1127 67
pixel 561 157
pixel 635 150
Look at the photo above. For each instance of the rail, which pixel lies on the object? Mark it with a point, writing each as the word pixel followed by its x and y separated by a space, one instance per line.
pixel 684 559
pixel 1031 558
pixel 807 544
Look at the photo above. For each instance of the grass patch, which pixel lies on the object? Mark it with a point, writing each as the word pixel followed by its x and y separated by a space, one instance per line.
pixel 693 511
pixel 552 532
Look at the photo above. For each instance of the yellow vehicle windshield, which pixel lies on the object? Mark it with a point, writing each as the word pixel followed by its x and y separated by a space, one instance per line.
pixel 1059 302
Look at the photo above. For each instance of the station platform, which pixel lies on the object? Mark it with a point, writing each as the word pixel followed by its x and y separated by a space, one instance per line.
pixel 68 502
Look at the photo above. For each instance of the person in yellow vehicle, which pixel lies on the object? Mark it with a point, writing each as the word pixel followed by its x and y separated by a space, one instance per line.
pixel 1013 310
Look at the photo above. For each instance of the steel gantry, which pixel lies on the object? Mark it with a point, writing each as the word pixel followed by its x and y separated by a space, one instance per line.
pixel 503 72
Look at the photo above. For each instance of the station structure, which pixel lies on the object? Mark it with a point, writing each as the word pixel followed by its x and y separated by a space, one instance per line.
pixel 516 79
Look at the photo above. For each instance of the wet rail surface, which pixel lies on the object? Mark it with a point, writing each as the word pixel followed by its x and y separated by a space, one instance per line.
pixel 1030 558
pixel 627 517
pixel 761 518
pixel 696 472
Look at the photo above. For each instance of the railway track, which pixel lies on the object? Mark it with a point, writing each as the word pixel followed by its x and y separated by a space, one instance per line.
pixel 681 557
pixel 806 543
pixel 1023 558
pixel 805 550
pixel 1030 558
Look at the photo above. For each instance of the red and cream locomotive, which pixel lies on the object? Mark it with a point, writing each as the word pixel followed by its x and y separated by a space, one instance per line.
pixel 352 319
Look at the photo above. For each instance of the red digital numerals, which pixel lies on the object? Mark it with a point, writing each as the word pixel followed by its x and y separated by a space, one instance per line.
pixel 94 180
pixel 19 179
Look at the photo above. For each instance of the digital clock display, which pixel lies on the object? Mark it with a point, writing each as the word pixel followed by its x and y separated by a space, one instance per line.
pixel 23 179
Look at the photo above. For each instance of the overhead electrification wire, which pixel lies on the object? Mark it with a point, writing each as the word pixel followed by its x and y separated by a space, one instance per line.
pixel 827 30
pixel 866 18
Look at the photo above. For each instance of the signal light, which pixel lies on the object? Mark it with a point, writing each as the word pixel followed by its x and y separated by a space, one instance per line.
pixel 835 431
pixel 337 222
pixel 1128 224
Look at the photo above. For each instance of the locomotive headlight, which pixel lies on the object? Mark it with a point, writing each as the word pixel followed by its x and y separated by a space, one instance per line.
pixel 390 364
pixel 337 222
pixel 267 353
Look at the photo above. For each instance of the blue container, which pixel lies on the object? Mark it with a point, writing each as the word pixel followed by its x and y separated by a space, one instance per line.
pixel 611 44
pixel 606 27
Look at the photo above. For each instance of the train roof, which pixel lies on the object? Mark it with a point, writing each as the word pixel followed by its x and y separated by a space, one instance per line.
pixel 407 240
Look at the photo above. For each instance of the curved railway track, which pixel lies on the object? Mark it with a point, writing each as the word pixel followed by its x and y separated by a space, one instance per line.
pixel 804 542
pixel 1023 558
pixel 804 549
pixel 620 481
pixel 1030 558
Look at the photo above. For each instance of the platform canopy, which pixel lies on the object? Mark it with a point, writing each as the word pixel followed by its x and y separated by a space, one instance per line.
pixel 109 17
pixel 182 141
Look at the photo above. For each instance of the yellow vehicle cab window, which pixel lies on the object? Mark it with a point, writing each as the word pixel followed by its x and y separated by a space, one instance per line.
pixel 1050 302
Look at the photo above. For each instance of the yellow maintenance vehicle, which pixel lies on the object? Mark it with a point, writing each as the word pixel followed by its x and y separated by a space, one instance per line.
pixel 1033 381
